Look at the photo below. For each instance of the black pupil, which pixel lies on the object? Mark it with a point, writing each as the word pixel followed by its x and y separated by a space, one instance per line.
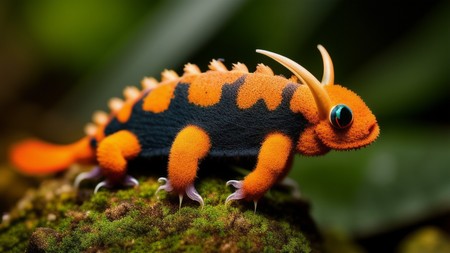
pixel 344 116
pixel 341 116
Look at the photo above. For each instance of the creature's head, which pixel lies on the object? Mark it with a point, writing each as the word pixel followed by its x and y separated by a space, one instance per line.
pixel 341 120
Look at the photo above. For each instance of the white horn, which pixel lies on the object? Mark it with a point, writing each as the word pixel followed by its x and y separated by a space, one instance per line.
pixel 320 95
pixel 328 69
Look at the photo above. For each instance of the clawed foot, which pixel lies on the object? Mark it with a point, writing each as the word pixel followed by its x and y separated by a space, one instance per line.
pixel 239 193
pixel 95 173
pixel 166 186
pixel 190 191
pixel 128 181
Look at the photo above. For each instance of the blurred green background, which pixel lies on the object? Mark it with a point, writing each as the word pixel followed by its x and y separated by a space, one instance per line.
pixel 62 60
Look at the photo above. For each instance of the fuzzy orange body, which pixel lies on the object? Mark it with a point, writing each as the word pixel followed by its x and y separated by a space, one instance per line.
pixel 218 113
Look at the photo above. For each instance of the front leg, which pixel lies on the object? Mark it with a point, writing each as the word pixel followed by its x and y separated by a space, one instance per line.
pixel 190 146
pixel 272 163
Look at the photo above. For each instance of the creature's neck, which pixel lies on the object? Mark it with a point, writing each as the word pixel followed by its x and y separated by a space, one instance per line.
pixel 309 144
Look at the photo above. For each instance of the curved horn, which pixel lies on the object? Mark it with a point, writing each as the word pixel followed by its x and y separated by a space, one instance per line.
pixel 320 95
pixel 328 69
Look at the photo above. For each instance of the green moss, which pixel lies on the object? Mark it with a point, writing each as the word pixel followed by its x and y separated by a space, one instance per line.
pixel 15 238
pixel 98 201
pixel 133 219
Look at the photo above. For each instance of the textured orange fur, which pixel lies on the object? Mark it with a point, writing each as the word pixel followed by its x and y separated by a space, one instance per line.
pixel 272 161
pixel 193 143
pixel 124 114
pixel 364 129
pixel 159 99
pixel 114 151
pixel 27 155
pixel 190 145
pixel 206 90
pixel 100 135
pixel 303 102
pixel 309 143
pixel 261 86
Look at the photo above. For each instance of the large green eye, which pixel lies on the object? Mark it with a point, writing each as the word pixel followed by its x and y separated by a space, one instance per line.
pixel 341 116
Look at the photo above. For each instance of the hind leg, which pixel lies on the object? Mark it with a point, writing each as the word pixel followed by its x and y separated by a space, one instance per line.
pixel 190 145
pixel 113 152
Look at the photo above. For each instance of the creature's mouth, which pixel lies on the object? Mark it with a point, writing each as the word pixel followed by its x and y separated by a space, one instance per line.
pixel 347 143
pixel 357 136
pixel 374 131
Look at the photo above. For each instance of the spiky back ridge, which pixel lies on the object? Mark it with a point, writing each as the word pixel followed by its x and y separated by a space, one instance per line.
pixel 132 94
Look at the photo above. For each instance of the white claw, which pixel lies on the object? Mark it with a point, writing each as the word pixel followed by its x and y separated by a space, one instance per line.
pixel 100 185
pixel 180 196
pixel 81 177
pixel 95 173
pixel 192 193
pixel 255 202
pixel 166 186
pixel 238 194
pixel 131 181
pixel 235 183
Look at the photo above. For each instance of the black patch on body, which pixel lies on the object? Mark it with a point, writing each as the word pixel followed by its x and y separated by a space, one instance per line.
pixel 233 132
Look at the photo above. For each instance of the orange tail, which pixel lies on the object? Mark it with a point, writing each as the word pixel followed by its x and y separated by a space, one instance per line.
pixel 36 157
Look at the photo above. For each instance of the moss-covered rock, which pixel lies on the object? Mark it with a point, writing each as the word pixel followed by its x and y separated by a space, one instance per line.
pixel 56 218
